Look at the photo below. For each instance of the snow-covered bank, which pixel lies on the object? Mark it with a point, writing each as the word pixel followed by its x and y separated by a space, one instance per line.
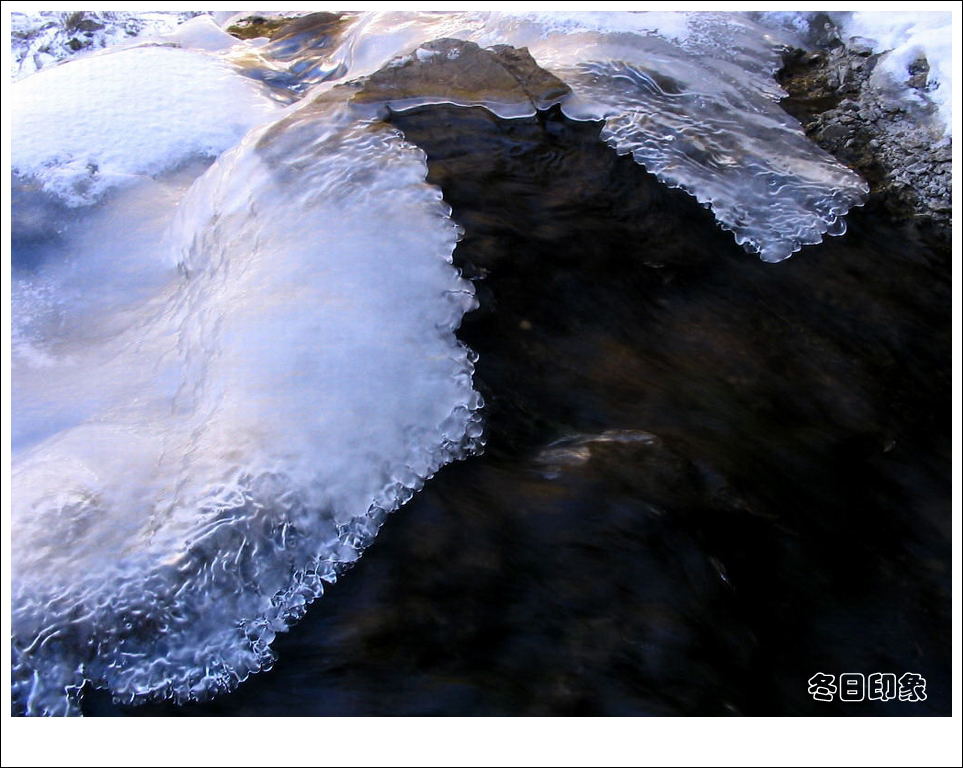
pixel 101 121
pixel 874 90
pixel 45 37
pixel 916 55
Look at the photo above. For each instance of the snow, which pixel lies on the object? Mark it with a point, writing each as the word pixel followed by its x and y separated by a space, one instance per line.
pixel 99 121
pixel 201 33
pixel 904 37
pixel 43 38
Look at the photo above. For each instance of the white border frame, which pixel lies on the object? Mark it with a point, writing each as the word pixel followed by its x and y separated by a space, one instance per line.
pixel 481 741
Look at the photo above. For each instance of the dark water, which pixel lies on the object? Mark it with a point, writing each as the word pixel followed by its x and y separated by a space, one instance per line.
pixel 790 515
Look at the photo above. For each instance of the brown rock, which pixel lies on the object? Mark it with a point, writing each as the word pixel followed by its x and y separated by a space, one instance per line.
pixel 462 73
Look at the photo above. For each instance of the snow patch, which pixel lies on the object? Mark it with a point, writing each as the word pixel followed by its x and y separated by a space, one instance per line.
pixel 904 38
pixel 103 120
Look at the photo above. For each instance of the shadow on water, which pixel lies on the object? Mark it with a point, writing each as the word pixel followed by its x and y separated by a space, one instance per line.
pixel 790 515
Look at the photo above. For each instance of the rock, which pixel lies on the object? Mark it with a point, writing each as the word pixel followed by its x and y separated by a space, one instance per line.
pixel 835 132
pixel 88 26
pixel 919 71
pixel 256 26
pixel 463 73
pixel 891 144
pixel 542 87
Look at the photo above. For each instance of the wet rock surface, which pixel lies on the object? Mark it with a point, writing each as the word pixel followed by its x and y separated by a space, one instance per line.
pixel 252 27
pixel 707 478
pixel 463 73
pixel 892 144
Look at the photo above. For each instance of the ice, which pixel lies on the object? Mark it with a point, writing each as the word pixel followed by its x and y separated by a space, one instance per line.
pixel 198 463
pixel 699 109
pixel 691 96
